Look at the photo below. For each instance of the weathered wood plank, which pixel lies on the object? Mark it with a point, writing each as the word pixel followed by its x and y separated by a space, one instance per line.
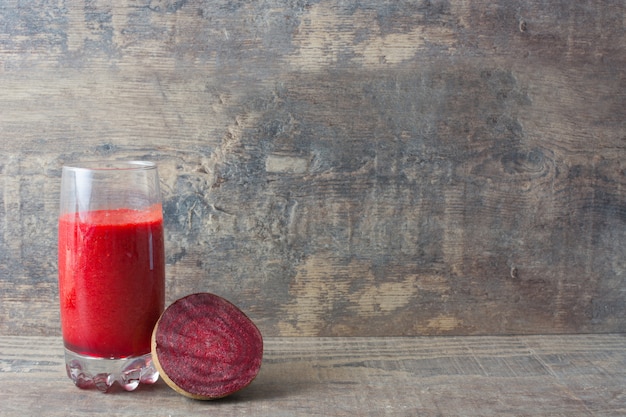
pixel 335 168
pixel 580 375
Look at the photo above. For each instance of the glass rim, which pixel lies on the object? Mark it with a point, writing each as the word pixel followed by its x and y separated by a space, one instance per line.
pixel 130 165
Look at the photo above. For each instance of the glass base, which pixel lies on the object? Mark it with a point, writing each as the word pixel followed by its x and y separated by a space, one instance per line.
pixel 101 373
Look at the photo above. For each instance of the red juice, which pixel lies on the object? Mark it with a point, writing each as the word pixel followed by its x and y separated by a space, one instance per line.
pixel 111 280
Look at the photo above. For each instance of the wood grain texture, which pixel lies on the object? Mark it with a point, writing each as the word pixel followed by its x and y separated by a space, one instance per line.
pixel 334 168
pixel 581 375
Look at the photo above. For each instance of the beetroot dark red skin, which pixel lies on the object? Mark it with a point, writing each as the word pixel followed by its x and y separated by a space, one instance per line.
pixel 205 347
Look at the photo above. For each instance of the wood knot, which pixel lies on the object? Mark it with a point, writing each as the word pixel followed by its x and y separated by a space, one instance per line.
pixel 523 26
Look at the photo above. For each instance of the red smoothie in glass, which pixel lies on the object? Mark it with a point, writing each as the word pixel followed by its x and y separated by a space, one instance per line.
pixel 111 280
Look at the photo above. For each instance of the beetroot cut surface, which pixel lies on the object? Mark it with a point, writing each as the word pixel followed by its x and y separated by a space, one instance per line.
pixel 205 347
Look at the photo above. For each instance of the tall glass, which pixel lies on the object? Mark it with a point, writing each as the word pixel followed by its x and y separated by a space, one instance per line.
pixel 111 271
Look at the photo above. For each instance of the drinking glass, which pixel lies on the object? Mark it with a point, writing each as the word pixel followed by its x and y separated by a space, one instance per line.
pixel 111 271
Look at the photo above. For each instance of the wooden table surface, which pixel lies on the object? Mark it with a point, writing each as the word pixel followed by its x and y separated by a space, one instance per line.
pixel 577 375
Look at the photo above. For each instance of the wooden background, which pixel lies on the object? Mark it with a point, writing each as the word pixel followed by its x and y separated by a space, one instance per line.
pixel 335 168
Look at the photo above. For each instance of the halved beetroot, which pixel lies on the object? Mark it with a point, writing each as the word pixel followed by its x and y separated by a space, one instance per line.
pixel 205 347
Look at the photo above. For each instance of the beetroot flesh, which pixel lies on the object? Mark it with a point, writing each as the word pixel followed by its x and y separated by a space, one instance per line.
pixel 205 347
